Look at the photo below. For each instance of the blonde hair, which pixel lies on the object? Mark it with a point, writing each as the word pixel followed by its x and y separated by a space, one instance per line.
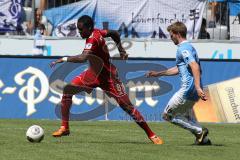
pixel 178 27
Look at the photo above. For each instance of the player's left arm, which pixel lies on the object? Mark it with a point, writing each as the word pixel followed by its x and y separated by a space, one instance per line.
pixel 196 71
pixel 197 76
pixel 116 38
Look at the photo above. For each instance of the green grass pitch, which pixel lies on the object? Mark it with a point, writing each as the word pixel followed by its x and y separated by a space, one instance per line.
pixel 115 140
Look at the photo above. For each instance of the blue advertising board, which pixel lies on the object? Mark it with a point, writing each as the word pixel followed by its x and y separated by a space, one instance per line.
pixel 27 88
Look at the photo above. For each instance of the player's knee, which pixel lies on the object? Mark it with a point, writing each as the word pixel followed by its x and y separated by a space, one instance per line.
pixel 67 89
pixel 71 90
pixel 127 108
pixel 126 105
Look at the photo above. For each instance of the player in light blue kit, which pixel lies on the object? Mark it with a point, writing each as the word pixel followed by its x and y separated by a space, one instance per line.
pixel 179 109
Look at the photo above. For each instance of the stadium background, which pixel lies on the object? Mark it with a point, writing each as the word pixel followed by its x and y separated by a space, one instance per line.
pixel 25 91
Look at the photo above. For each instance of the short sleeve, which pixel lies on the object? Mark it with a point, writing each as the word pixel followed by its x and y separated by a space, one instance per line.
pixel 91 45
pixel 103 32
pixel 187 56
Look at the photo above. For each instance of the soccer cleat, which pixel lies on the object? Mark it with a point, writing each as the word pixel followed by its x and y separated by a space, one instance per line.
pixel 156 140
pixel 205 142
pixel 200 138
pixel 208 142
pixel 62 131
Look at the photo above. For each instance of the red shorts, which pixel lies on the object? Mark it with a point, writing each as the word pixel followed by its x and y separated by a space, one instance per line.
pixel 112 86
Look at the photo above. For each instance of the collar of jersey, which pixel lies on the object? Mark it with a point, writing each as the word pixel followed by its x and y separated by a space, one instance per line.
pixel 91 35
pixel 185 41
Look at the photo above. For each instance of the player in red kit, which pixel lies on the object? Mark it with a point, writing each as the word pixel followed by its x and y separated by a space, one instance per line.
pixel 101 73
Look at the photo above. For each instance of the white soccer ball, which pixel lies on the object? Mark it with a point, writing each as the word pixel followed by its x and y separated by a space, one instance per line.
pixel 35 133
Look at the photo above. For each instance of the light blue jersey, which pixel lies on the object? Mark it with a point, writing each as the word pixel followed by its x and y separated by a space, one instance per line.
pixel 179 109
pixel 186 54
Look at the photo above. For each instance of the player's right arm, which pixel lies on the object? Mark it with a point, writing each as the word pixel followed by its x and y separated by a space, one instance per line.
pixel 79 58
pixel 169 72
pixel 90 48
pixel 75 59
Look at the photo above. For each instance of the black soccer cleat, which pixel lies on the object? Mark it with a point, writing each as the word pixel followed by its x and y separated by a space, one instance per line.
pixel 201 137
pixel 205 142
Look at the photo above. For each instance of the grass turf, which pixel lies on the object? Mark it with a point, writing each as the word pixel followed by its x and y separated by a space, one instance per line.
pixel 115 140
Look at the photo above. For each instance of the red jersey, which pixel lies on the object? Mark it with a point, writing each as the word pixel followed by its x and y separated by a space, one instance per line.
pixel 97 45
pixel 101 72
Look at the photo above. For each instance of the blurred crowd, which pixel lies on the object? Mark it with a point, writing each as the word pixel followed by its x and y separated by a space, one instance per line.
pixel 217 14
pixel 33 18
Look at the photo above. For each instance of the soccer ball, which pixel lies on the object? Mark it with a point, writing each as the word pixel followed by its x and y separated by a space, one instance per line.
pixel 35 133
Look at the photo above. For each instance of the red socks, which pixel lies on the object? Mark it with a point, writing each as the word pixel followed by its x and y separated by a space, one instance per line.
pixel 136 115
pixel 65 109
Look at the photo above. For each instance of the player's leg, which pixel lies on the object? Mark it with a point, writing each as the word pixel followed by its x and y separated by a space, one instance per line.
pixel 66 102
pixel 116 89
pixel 69 90
pixel 179 112
pixel 201 138
pixel 127 106
pixel 175 113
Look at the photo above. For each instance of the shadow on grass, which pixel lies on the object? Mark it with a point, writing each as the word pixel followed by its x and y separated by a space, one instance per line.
pixel 60 140
pixel 115 142
pixel 214 145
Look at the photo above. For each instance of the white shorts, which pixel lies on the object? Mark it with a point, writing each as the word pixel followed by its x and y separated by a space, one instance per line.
pixel 179 105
